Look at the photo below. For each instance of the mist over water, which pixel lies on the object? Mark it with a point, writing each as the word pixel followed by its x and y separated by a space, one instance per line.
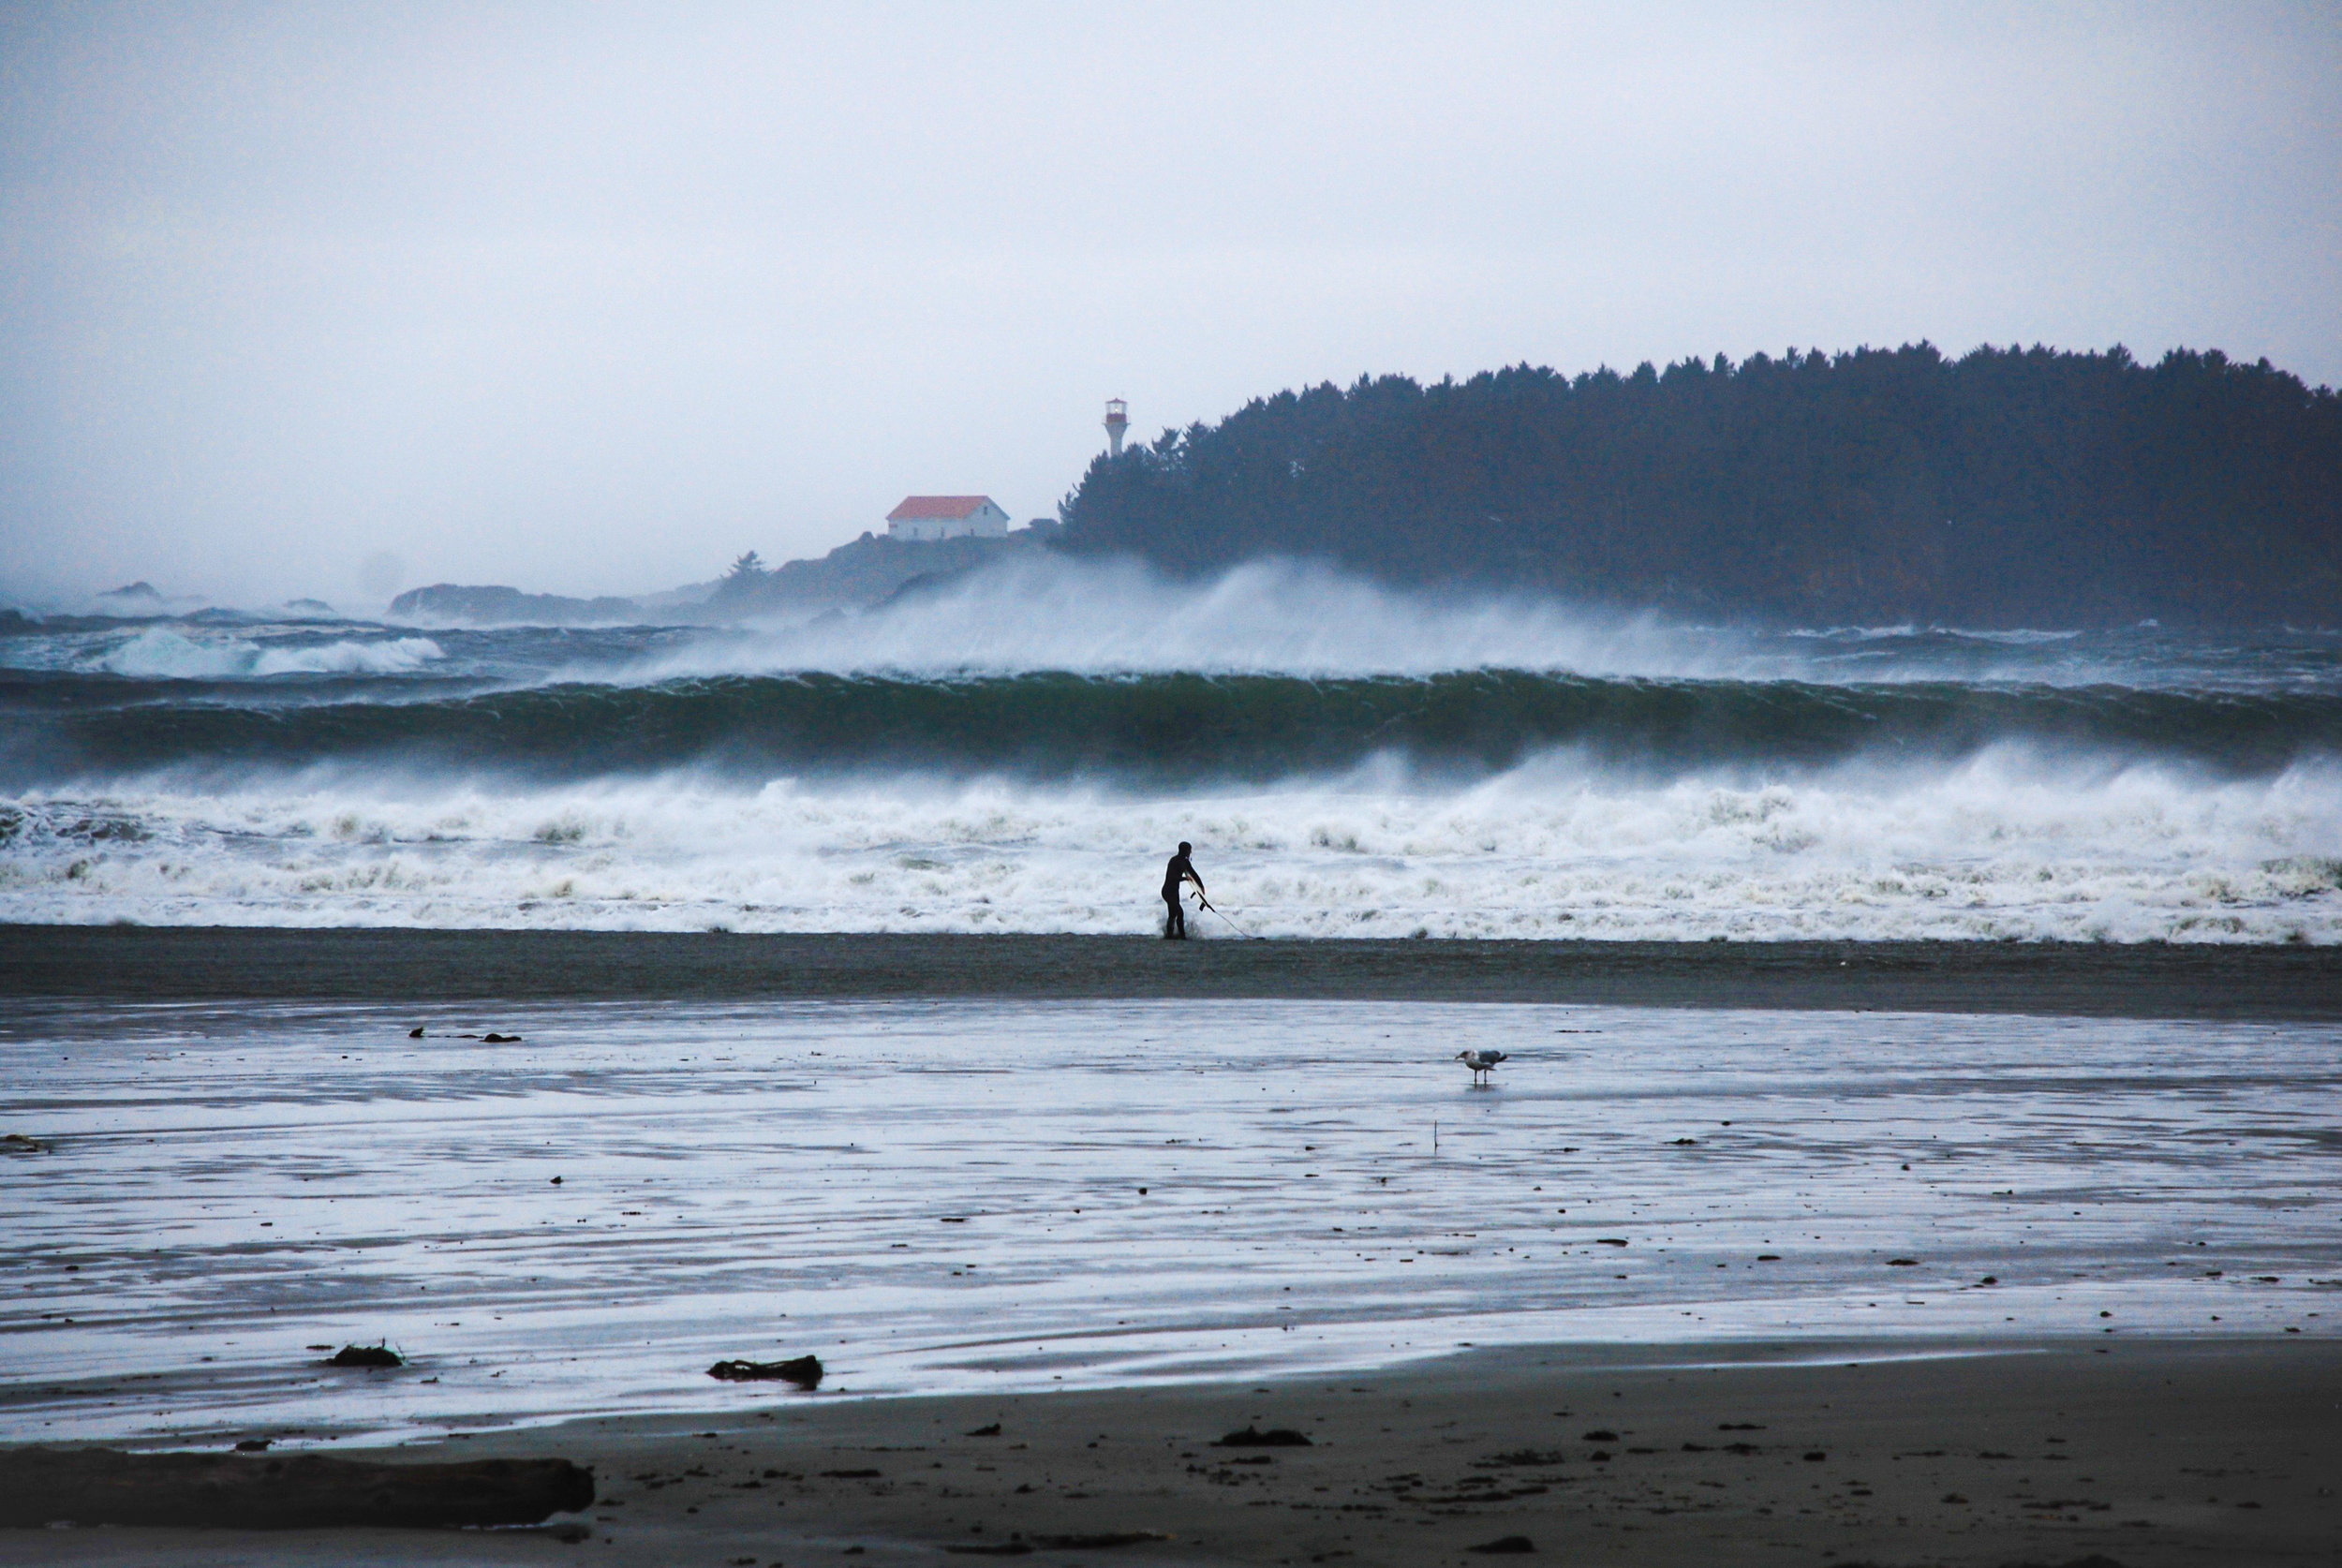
pixel 1298 618
pixel 1106 617
pixel 1275 617
pixel 1017 750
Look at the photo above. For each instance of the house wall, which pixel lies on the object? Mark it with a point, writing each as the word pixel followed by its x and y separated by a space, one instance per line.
pixel 984 522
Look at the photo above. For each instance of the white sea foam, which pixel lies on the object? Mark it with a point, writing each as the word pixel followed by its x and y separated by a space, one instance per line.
pixel 2009 844
pixel 1857 633
pixel 167 653
pixel 2015 636
pixel 2018 637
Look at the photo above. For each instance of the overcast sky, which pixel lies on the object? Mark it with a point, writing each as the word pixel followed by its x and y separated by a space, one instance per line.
pixel 592 298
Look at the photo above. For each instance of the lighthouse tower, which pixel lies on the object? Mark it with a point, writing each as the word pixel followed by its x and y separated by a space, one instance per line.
pixel 1117 421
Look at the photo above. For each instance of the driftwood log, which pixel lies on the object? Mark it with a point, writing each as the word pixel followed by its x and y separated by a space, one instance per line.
pixel 1276 1437
pixel 804 1370
pixel 304 1491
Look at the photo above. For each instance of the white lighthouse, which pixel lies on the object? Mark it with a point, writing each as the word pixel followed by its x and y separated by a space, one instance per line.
pixel 1117 421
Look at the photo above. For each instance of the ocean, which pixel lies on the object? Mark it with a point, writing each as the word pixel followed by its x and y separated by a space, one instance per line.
pixel 998 1191
pixel 1020 751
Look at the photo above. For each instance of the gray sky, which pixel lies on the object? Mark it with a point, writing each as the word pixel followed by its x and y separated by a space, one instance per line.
pixel 590 299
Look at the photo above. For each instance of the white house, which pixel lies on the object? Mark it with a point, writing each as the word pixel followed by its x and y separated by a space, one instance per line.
pixel 946 517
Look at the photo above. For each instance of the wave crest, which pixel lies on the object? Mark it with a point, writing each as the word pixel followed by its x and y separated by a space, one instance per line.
pixel 163 653
pixel 1184 728
pixel 2010 844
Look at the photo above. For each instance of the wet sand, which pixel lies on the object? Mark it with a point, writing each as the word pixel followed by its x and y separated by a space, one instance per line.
pixel 2143 1452
pixel 128 964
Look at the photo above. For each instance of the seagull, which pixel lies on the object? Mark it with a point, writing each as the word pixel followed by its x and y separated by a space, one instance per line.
pixel 1479 1061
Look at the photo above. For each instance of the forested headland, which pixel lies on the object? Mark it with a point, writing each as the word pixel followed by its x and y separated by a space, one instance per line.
pixel 2004 487
pixel 863 571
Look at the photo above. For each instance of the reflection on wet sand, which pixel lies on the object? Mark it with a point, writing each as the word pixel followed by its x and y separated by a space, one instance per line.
pixel 971 1196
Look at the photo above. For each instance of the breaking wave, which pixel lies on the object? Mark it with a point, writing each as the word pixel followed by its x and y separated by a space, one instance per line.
pixel 162 653
pixel 1018 750
pixel 2009 844
pixel 1171 727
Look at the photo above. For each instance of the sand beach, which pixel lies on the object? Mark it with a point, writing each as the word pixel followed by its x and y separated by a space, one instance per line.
pixel 2031 1245
pixel 2140 1452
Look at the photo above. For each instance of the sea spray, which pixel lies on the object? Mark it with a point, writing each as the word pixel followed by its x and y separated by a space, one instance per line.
pixel 1017 750
pixel 2010 843
pixel 1294 618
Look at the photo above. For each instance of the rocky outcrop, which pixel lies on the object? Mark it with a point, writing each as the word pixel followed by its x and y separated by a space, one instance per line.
pixel 871 569
pixel 500 606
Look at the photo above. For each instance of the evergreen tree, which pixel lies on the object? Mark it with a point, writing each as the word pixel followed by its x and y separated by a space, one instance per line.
pixel 2011 486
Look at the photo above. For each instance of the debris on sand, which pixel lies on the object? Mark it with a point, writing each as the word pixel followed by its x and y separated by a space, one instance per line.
pixel 1276 1437
pixel 102 1486
pixel 365 1356
pixel 804 1370
pixel 1020 1546
pixel 993 1430
pixel 17 1143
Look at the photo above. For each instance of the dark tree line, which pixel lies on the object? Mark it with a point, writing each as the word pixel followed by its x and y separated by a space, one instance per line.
pixel 2011 486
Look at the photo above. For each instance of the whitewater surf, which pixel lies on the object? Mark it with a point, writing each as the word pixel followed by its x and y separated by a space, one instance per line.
pixel 1350 761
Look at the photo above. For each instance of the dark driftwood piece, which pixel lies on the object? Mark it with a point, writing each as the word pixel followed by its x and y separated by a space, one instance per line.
pixel 306 1491
pixel 1088 1541
pixel 804 1370
pixel 1276 1437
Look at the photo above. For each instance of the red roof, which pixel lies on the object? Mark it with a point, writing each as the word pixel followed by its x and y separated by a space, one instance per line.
pixel 937 508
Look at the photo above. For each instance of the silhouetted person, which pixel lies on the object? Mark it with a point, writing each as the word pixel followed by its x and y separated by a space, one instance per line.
pixel 1180 870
